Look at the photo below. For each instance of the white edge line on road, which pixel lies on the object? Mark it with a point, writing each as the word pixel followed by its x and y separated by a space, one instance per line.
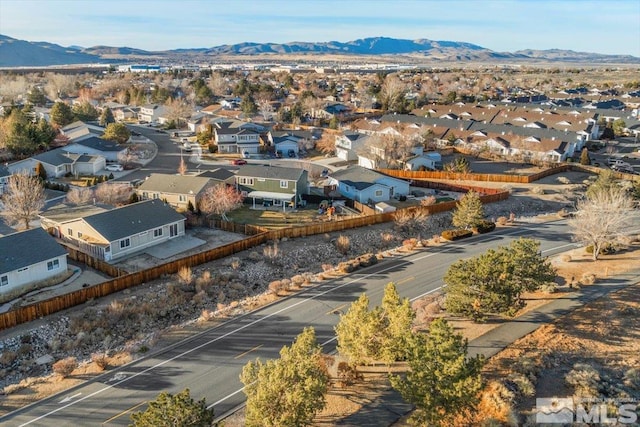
pixel 248 325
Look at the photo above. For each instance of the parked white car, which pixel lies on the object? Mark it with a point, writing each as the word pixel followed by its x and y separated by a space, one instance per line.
pixel 114 168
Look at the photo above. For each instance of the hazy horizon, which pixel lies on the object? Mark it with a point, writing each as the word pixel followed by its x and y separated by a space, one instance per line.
pixel 607 27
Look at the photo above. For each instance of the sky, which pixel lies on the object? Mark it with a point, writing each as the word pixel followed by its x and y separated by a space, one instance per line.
pixel 605 26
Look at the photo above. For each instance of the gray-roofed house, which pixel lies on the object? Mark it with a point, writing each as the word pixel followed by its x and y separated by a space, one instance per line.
pixel 115 234
pixel 79 130
pixel 59 162
pixel 176 190
pixel 236 140
pixel 364 185
pixel 22 265
pixel 349 144
pixel 272 185
pixel 220 175
pixel 97 147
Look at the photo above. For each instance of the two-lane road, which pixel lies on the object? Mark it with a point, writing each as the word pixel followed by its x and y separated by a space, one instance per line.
pixel 209 364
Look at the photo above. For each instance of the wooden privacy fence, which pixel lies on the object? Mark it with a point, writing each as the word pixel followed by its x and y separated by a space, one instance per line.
pixel 255 238
pixel 91 261
pixel 519 179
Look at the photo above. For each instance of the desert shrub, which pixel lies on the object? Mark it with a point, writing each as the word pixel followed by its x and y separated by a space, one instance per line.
pixel 271 252
pixel 563 180
pixel 632 378
pixel 387 239
pixel 235 263
pixel 101 360
pixel 185 275
pixel 367 260
pixel 523 383
pixel 327 267
pixel 526 366
pixel 143 349
pixel 286 284
pixel 562 213
pixel 548 288
pixel 495 406
pixel 537 190
pixel 565 258
pixel 8 357
pixel 346 267
pixel 65 367
pixel 410 243
pixel 502 220
pixel 484 227
pixel 343 243
pixel 585 380
pixel 588 279
pixel 428 201
pixel 456 234
pixel 275 287
pixel 410 220
pixel 606 249
pixel 297 280
pixel 347 374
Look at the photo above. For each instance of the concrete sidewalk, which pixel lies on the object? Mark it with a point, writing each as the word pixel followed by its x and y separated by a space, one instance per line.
pixel 389 407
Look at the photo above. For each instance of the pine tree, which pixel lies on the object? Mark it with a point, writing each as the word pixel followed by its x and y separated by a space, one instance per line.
pixel 286 392
pixel 106 117
pixel 584 157
pixel 442 381
pixel 117 132
pixel 61 114
pixel 178 410
pixel 397 320
pixel 469 211
pixel 359 333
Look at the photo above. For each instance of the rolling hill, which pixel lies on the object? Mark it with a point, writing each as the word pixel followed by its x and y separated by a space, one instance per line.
pixel 17 53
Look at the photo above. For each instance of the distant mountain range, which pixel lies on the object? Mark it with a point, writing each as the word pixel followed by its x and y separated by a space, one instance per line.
pixel 20 53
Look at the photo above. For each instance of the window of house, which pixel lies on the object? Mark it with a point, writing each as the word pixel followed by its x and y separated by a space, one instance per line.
pixel 20 270
pixel 157 232
pixel 145 195
pixel 284 183
pixel 182 198
pixel 378 193
pixel 4 280
pixel 53 265
pixel 69 232
pixel 125 243
pixel 79 234
pixel 245 181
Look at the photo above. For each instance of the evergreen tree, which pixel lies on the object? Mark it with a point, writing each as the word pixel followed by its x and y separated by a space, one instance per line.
pixel 289 391
pixel 85 112
pixel 493 282
pixel 178 410
pixel 46 133
pixel 41 172
pixel 248 105
pixel 469 211
pixel 106 117
pixel 442 381
pixel 61 114
pixel 117 132
pixel 584 157
pixel 397 320
pixel 359 333
pixel 36 97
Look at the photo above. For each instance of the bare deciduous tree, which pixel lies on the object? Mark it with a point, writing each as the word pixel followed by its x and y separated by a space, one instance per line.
pixel 23 200
pixel 178 110
pixel 220 199
pixel 113 193
pixel 182 168
pixel 392 94
pixel 79 196
pixel 602 218
pixel 265 108
pixel 389 150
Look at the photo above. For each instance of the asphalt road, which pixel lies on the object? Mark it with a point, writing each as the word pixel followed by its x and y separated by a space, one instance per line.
pixel 209 363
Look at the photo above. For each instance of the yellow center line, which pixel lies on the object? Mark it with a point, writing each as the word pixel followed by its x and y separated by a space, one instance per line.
pixel 248 351
pixel 124 412
pixel 408 279
pixel 335 310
